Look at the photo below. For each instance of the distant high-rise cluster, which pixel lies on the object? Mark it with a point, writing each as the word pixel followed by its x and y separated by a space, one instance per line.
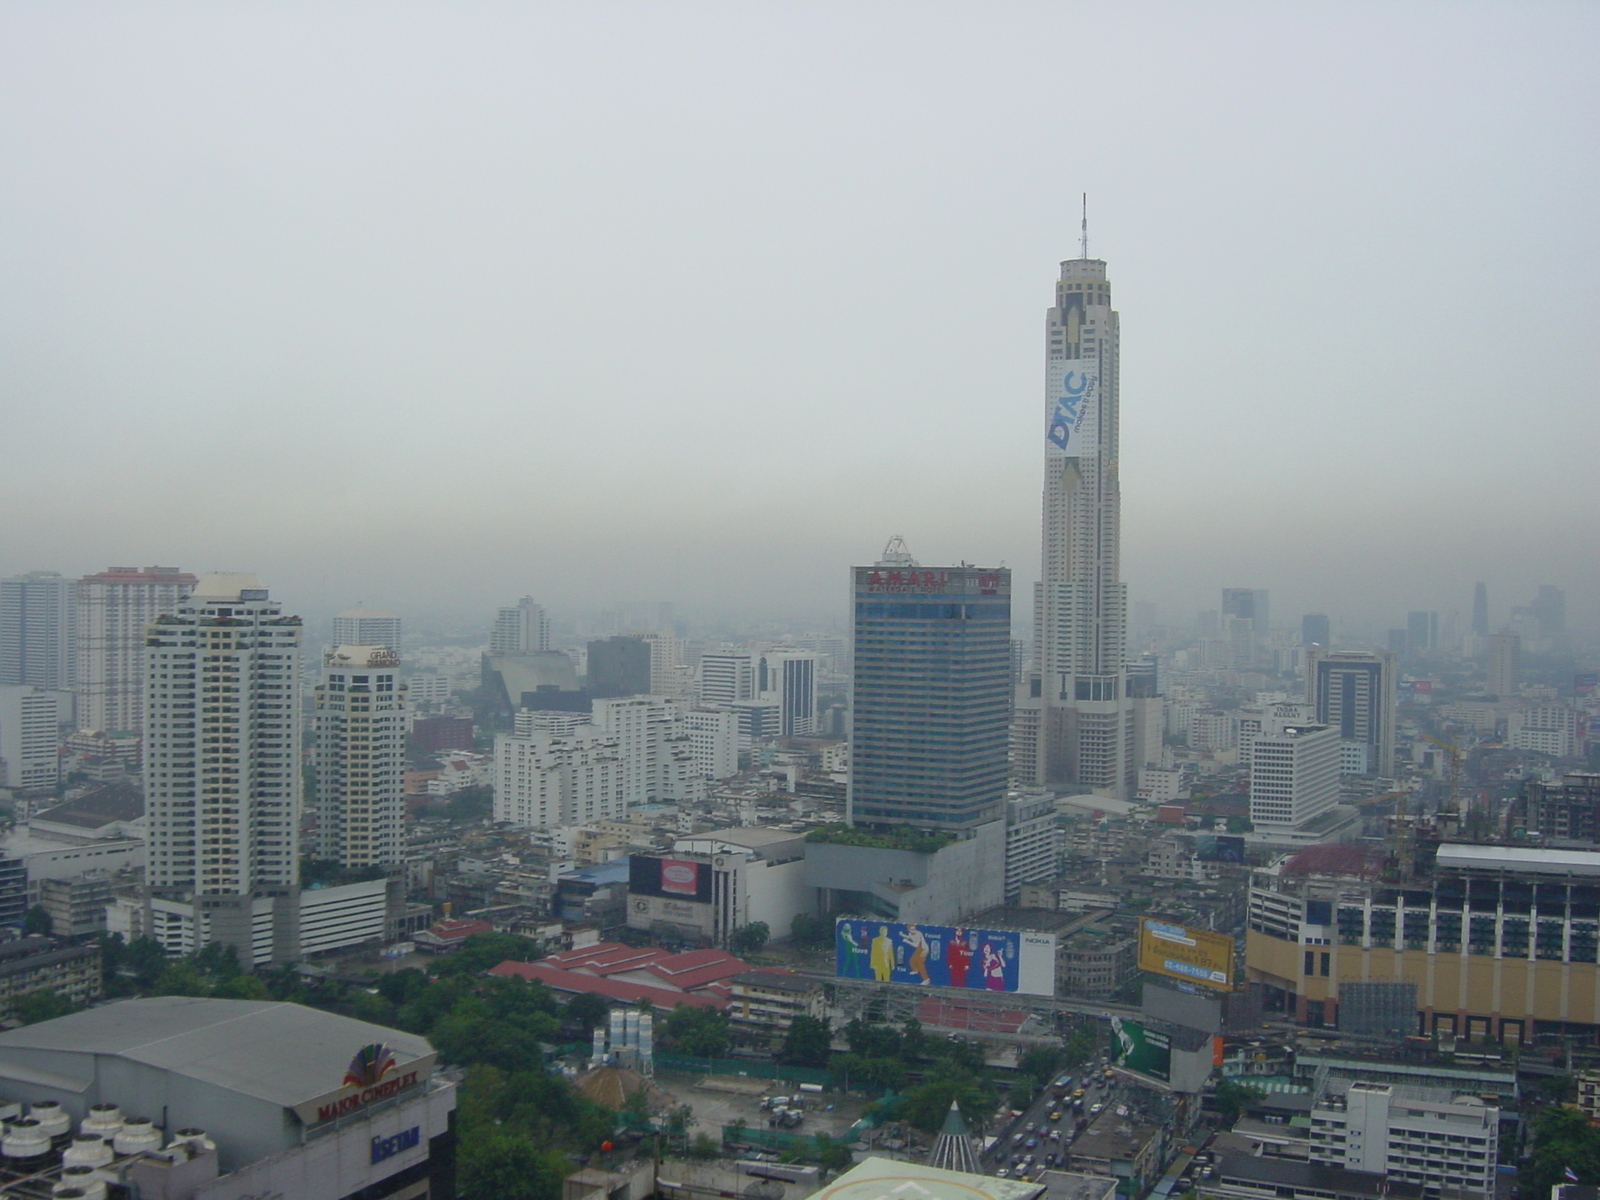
pixel 367 627
pixel 521 628
pixel 114 607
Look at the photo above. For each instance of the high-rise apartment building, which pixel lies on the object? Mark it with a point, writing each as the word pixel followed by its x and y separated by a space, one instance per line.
pixel 544 779
pixel 932 696
pixel 39 630
pixel 1315 630
pixel 1077 727
pixel 114 607
pixel 360 724
pixel 222 765
pixel 367 627
pixel 1355 693
pixel 30 738
pixel 520 628
pixel 655 747
pixel 1505 664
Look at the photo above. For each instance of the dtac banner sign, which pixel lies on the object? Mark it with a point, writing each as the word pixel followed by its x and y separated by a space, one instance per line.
pixel 1072 400
pixel 1192 955
pixel 996 960
pixel 1137 1047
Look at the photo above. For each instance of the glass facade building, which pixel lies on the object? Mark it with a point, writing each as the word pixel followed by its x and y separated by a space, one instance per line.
pixel 932 697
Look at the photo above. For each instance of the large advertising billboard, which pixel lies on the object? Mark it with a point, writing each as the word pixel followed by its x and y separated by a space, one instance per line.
pixel 1137 1047
pixel 677 878
pixel 1192 955
pixel 1072 408
pixel 996 960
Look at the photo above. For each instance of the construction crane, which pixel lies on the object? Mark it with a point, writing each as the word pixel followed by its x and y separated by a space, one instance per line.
pixel 1451 812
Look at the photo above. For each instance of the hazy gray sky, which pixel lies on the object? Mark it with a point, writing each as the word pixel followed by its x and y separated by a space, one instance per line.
pixel 434 305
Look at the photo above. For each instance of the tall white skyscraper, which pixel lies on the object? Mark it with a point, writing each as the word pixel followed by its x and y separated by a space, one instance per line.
pixel 360 756
pixel 520 628
pixel 222 765
pixel 1294 775
pixel 113 609
pixel 367 627
pixel 39 630
pixel 1076 725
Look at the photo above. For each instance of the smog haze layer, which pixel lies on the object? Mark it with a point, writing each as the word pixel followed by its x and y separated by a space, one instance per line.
pixel 434 306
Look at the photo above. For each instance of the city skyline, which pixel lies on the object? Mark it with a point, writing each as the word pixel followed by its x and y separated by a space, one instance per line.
pixel 361 257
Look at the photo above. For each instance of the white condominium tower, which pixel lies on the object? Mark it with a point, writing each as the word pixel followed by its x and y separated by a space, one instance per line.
pixel 113 609
pixel 520 628
pixel 1076 726
pixel 367 627
pixel 222 764
pixel 360 756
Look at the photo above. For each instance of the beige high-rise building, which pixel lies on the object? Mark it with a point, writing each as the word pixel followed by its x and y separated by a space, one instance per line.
pixel 1505 664
pixel 114 607
pixel 360 756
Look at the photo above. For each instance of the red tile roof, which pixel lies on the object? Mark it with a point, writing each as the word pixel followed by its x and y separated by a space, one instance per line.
pixel 611 989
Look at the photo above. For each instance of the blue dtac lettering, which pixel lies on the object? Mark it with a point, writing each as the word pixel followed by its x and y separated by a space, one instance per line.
pixel 1066 416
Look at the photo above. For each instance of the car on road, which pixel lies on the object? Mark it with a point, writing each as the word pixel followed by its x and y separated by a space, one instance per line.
pixel 1002 1173
pixel 1096 1109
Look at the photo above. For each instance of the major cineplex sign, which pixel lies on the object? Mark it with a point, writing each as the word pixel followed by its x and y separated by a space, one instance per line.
pixel 374 1074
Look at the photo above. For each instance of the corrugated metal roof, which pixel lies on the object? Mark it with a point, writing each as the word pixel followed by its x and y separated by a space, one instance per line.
pixel 282 1053
pixel 1519 858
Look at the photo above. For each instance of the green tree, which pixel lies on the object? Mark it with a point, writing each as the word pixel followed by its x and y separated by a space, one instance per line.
pixel 834 1155
pixel 926 1104
pixel 1041 1063
pixel 587 1009
pixel 807 1042
pixel 45 1005
pixel 871 1040
pixel 863 1071
pixel 1562 1138
pixel 504 1164
pixel 699 1031
pixel 181 977
pixel 146 958
pixel 1232 1098
pixel 484 950
pixel 811 933
pixel 245 987
pixel 750 938
pixel 36 922
pixel 703 1146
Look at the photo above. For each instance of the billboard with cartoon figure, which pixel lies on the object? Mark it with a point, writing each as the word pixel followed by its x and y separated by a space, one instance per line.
pixel 997 960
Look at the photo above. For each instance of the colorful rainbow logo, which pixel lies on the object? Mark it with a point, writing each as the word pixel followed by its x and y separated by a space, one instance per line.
pixel 370 1065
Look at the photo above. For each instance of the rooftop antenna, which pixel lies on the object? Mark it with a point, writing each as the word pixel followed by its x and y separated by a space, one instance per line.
pixel 1083 237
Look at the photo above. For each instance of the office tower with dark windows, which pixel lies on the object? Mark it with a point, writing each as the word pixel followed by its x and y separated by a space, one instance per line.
pixel 932 695
pixel 1355 693
pixel 1314 630
pixel 39 630
pixel 1480 611
pixel 222 768
pixel 618 666
pixel 1076 727
pixel 1250 604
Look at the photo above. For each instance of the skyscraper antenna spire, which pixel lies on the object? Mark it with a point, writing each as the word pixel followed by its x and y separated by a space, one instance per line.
pixel 1083 237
